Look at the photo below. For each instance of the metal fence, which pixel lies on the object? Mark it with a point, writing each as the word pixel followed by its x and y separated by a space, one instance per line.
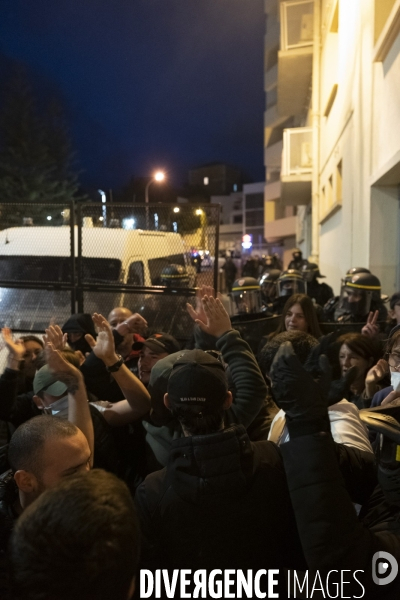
pixel 56 260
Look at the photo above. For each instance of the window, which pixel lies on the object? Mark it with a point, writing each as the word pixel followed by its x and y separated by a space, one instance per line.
pixel 254 201
pixel 238 218
pixel 235 187
pixel 135 273
pixel 58 269
pixel 254 217
pixel 206 181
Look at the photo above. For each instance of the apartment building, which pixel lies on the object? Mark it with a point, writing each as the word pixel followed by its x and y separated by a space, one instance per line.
pixel 333 69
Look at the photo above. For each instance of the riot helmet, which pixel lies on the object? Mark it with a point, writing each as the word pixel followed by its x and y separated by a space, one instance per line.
pixel 291 282
pixel 268 285
pixel 358 292
pixel 356 270
pixel 311 272
pixel 297 254
pixel 174 276
pixel 246 294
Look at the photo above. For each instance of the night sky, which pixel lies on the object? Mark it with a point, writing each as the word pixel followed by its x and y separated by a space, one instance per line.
pixel 147 83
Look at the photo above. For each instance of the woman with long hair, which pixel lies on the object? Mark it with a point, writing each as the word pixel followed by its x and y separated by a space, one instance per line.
pixel 299 314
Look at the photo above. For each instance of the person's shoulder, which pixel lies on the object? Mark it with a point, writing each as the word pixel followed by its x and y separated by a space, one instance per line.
pixel 381 395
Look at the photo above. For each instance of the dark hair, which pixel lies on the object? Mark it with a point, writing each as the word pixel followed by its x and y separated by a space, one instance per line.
pixel 86 534
pixel 32 338
pixel 392 342
pixel 26 445
pixel 302 344
pixel 199 421
pixel 310 314
pixel 362 345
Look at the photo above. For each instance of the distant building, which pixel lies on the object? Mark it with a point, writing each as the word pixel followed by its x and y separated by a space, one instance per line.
pixel 216 179
pixel 242 213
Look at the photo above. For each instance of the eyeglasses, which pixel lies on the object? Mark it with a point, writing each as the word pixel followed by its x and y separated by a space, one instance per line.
pixel 394 361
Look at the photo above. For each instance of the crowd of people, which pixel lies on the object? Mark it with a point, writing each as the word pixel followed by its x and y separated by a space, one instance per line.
pixel 129 453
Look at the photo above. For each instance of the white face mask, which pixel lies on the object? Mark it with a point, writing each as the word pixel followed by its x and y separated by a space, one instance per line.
pixel 59 408
pixel 395 381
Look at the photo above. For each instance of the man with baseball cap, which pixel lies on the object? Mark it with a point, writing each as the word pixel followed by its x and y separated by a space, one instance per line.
pixel 156 347
pixel 221 496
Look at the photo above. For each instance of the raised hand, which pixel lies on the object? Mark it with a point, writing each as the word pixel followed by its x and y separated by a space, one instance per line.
pixel 62 369
pixel 55 336
pixel 216 320
pixel 133 324
pixel 198 312
pixel 371 329
pixel 15 348
pixel 104 346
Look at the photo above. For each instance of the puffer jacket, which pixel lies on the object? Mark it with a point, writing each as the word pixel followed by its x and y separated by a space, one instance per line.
pixel 222 502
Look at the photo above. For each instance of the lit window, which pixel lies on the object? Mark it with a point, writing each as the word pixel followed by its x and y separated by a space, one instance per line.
pixel 206 181
pixel 235 187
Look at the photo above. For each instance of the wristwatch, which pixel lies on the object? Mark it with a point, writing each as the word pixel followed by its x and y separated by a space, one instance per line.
pixel 113 368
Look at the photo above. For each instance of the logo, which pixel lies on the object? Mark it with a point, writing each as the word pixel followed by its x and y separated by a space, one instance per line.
pixel 384 568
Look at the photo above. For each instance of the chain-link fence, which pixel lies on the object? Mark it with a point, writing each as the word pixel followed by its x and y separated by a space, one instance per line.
pixel 56 260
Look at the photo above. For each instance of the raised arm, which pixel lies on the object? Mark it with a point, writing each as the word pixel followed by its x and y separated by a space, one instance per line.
pixel 78 405
pixel 135 392
pixel 250 388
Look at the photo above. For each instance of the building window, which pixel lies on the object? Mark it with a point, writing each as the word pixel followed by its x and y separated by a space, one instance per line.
pixel 238 218
pixel 206 181
pixel 235 187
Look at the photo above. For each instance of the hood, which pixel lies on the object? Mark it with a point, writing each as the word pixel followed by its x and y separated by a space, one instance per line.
pixel 81 323
pixel 204 466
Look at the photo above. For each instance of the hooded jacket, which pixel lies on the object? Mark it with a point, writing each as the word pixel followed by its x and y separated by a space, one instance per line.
pixel 221 502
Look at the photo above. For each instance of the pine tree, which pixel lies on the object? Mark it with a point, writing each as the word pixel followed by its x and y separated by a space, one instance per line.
pixel 35 157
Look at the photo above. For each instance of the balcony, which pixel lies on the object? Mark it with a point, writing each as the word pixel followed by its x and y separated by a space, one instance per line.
pixel 280 228
pixel 295 56
pixel 296 174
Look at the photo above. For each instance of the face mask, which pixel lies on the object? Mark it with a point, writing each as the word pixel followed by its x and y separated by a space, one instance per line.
pixel 59 408
pixel 395 381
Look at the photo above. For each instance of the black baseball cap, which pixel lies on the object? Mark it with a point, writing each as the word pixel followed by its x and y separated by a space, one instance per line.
pixel 159 343
pixel 197 379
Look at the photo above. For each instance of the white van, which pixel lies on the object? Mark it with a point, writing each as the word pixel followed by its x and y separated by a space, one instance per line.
pixel 42 254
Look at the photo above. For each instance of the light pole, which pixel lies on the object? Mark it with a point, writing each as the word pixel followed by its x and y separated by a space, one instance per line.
pixel 158 176
pixel 104 211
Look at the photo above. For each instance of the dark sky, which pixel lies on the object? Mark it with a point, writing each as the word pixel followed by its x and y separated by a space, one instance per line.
pixel 148 83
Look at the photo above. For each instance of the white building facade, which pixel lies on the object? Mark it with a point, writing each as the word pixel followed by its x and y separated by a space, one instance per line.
pixel 341 163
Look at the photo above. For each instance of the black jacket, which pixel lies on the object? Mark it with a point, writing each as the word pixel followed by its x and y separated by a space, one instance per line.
pixel 330 532
pixel 222 502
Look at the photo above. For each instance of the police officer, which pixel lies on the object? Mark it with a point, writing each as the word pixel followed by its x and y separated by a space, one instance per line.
pixel 298 260
pixel 268 285
pixel 246 296
pixel 167 312
pixel 331 305
pixel 360 294
pixel 319 292
pixel 289 282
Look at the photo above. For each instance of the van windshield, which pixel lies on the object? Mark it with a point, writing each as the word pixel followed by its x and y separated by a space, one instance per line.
pixel 57 269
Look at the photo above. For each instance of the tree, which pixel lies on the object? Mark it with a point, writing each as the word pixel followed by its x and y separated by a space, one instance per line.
pixel 36 160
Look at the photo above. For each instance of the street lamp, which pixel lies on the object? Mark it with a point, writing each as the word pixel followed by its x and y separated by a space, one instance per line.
pixel 158 177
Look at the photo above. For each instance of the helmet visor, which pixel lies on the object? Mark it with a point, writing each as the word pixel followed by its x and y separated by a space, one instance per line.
pixel 289 286
pixel 247 302
pixel 354 301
